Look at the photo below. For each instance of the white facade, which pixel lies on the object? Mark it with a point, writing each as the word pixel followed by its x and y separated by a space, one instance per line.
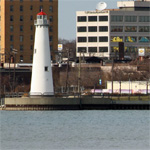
pixel 98 33
pixel 42 81
pixel 132 87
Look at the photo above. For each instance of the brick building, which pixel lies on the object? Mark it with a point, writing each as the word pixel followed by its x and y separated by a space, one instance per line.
pixel 17 28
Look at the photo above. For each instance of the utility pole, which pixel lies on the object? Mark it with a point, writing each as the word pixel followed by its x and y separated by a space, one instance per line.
pixel 79 75
pixel 112 75
pixel 14 79
pixel 67 70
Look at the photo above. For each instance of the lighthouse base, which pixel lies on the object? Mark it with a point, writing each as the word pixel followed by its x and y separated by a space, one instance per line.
pixel 38 95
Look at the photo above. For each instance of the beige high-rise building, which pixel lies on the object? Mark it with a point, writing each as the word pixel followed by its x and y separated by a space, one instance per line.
pixel 17 28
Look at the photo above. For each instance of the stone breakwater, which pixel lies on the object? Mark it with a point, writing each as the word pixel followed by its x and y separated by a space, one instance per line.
pixel 88 103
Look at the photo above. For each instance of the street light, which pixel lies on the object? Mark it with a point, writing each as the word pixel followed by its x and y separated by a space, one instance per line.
pixel 14 79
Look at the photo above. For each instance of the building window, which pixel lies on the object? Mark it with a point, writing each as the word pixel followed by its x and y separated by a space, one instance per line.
pixel 21 38
pixel 51 8
pixel 31 57
pixel 144 28
pixel 31 37
pixel 130 18
pixel 21 0
pixel 92 39
pixel 130 39
pixel 92 49
pixel 103 49
pixel 41 0
pixel 103 28
pixel 130 29
pixel 51 29
pixel 81 29
pixel 11 18
pixel 31 47
pixel 21 8
pixel 116 39
pixel 40 8
pixel 11 28
pixel 92 18
pixel 21 18
pixel 144 39
pixel 21 58
pixel 0 38
pixel 31 7
pixel 92 29
pixel 51 47
pixel 131 49
pixel 81 18
pixel 31 27
pixel 21 28
pixel 116 18
pixel 11 47
pixel 31 18
pixel 144 18
pixel 82 49
pixel 82 39
pixel 21 48
pixel 51 18
pixel 103 39
pixel 11 38
pixel 50 0
pixel 51 38
pixel 116 28
pixel 103 18
pixel 46 68
pixel 11 8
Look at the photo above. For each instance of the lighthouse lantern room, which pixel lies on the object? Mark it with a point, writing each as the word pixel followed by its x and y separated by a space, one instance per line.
pixel 41 80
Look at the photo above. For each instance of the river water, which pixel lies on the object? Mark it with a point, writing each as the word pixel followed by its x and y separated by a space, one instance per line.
pixel 75 130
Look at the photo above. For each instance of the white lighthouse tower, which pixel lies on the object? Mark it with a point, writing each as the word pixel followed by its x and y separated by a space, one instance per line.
pixel 41 80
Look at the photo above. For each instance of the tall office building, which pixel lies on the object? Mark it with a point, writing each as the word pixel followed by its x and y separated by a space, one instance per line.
pixel 17 28
pixel 99 32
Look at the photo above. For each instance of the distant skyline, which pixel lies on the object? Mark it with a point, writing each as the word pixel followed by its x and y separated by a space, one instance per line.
pixel 67 14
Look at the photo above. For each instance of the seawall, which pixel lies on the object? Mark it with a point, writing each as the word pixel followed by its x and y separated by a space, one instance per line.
pixel 87 103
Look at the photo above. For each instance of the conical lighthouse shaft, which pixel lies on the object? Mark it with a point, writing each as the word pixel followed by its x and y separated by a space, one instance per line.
pixel 41 80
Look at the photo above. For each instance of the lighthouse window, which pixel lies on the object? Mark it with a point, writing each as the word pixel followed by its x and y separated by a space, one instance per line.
pixel 46 68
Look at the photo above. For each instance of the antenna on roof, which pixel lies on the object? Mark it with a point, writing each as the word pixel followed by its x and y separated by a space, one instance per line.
pixel 101 6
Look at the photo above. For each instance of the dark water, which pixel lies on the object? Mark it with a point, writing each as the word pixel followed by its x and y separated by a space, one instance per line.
pixel 75 130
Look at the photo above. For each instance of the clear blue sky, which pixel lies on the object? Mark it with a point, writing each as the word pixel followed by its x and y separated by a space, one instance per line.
pixel 67 14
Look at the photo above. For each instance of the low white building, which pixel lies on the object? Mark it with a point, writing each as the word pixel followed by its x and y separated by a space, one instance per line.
pixel 98 33
pixel 132 87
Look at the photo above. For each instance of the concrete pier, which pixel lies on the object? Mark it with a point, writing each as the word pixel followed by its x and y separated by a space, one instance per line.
pixel 88 103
